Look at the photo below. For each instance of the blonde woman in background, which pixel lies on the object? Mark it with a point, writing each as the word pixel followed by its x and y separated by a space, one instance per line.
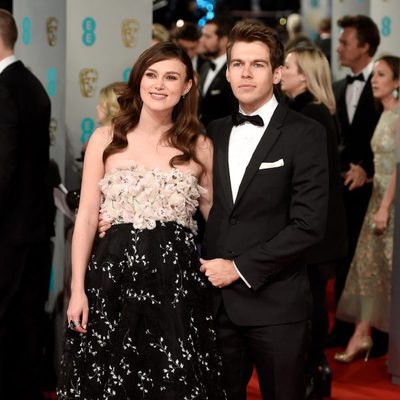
pixel 108 105
pixel 306 80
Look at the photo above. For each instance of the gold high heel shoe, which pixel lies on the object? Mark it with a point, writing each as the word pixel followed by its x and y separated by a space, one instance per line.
pixel 363 348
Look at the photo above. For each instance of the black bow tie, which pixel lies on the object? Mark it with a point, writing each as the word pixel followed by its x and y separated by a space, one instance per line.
pixel 239 119
pixel 350 79
pixel 212 65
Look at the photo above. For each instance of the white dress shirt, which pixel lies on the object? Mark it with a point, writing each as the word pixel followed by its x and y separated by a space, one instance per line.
pixel 5 62
pixel 211 74
pixel 354 90
pixel 243 141
pixel 242 144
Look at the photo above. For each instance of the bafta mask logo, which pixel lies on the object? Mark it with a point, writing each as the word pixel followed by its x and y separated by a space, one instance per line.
pixel 52 28
pixel 88 81
pixel 53 130
pixel 129 32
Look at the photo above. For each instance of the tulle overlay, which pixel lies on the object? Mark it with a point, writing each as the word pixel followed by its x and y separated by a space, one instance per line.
pixel 150 332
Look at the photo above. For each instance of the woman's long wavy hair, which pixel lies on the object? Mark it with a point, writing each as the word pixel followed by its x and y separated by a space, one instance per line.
pixel 184 133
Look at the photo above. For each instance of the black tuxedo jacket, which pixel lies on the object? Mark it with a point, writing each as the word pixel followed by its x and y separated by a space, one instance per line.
pixel 219 100
pixel 333 247
pixel 355 146
pixel 24 157
pixel 278 214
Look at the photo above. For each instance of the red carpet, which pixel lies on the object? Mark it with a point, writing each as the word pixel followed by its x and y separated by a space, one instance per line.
pixel 355 381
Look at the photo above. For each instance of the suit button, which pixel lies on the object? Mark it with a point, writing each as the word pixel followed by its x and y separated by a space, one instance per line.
pixel 233 221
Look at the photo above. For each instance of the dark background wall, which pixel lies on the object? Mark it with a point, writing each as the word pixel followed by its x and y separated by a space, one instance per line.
pixel 7 4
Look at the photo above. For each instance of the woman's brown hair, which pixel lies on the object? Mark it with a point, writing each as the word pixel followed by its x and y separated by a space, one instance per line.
pixel 185 131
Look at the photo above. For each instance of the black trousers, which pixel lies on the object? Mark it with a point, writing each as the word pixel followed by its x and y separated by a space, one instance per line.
pixel 24 285
pixel 277 352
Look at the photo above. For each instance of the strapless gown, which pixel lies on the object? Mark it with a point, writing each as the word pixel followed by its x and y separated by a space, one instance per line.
pixel 150 331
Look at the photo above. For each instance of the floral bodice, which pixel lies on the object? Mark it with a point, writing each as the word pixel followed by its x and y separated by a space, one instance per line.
pixel 143 196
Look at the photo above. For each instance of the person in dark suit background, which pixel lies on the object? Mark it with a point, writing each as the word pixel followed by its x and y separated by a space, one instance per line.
pixel 358 114
pixel 270 197
pixel 188 37
pixel 24 215
pixel 324 39
pixel 306 80
pixel 216 99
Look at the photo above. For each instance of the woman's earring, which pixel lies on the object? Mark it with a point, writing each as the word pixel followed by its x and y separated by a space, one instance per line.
pixel 395 93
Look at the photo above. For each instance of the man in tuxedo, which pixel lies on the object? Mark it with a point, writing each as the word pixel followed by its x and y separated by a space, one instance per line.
pixel 358 115
pixel 25 258
pixel 216 99
pixel 270 194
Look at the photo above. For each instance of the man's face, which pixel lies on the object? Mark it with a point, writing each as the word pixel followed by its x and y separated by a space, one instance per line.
pixel 348 50
pixel 189 46
pixel 52 27
pixel 209 41
pixel 250 74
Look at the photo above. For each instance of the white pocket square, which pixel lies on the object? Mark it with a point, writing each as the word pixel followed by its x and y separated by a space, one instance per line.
pixel 275 164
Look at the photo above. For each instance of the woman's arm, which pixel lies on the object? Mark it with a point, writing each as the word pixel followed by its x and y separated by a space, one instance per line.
pixel 205 155
pixel 86 225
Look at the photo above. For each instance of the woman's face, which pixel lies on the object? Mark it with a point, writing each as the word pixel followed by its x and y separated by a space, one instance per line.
pixel 163 85
pixel 292 82
pixel 382 80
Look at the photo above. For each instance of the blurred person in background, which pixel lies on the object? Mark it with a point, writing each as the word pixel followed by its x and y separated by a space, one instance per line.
pixel 324 39
pixel 306 80
pixel 159 33
pixel 25 208
pixel 108 106
pixel 296 36
pixel 216 98
pixel 365 300
pixel 358 113
pixel 188 36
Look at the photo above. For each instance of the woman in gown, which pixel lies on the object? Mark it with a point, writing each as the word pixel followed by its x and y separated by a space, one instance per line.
pixel 306 80
pixel 366 297
pixel 139 318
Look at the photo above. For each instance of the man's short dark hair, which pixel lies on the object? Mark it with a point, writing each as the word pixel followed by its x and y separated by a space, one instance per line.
pixel 248 32
pixel 8 29
pixel 367 31
pixel 189 31
pixel 224 26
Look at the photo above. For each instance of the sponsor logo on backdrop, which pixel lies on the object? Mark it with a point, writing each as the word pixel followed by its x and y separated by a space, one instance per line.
pixel 53 130
pixel 52 81
pixel 87 128
pixel 89 31
pixel 126 74
pixel 88 81
pixel 129 32
pixel 26 31
pixel 52 29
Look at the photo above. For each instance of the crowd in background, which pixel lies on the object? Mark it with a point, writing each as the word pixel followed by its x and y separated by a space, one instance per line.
pixel 360 114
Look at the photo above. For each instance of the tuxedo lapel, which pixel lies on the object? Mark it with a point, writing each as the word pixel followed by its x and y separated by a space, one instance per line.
pixel 223 163
pixel 216 82
pixel 366 96
pixel 266 143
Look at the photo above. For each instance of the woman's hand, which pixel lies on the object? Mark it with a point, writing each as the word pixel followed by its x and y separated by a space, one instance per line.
pixel 380 220
pixel 78 310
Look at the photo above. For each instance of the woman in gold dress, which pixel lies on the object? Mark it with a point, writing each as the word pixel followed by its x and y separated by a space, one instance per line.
pixel 366 297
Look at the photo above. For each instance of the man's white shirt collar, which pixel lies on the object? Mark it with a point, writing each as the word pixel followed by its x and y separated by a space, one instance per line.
pixel 367 71
pixel 265 111
pixel 5 62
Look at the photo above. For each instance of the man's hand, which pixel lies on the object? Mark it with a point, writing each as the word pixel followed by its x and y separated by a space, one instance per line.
pixel 355 177
pixel 103 226
pixel 219 272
